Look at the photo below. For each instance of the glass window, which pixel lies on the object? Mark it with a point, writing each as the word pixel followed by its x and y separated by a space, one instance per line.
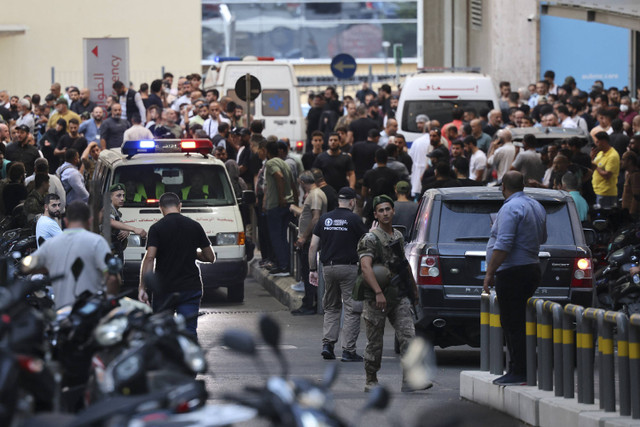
pixel 436 110
pixel 470 221
pixel 195 184
pixel 307 29
pixel 275 102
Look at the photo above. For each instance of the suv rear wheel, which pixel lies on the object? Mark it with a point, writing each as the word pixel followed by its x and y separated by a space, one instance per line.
pixel 235 292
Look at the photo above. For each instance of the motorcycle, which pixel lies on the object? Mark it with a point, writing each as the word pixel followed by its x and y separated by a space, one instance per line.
pixel 288 401
pixel 616 289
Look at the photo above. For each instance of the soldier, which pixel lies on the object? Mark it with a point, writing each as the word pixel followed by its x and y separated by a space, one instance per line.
pixel 381 253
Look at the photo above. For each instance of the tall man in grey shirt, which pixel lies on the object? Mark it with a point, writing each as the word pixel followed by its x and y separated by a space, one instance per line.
pixel 528 161
pixel 512 262
pixel 112 129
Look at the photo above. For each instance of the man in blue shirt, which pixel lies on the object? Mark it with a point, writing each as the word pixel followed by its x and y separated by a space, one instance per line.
pixel 512 262
pixel 91 128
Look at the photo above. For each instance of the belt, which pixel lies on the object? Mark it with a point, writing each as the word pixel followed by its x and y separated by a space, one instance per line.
pixel 339 263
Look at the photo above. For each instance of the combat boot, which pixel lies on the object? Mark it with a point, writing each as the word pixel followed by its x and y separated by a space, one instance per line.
pixel 371 382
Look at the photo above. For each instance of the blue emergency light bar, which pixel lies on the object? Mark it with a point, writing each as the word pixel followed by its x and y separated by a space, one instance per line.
pixel 148 146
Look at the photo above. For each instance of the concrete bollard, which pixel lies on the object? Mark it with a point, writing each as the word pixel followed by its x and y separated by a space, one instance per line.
pixel 568 350
pixel 531 341
pixel 589 318
pixel 621 321
pixel 558 368
pixel 545 347
pixel 485 330
pixel 496 339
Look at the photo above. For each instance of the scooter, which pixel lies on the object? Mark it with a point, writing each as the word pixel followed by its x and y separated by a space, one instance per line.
pixel 616 289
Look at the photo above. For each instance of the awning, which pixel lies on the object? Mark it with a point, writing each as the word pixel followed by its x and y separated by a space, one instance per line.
pixel 620 13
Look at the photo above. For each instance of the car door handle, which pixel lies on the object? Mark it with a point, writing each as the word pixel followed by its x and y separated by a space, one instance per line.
pixel 544 255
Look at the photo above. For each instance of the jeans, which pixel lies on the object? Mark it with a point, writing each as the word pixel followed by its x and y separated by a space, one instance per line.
pixel 514 286
pixel 187 305
pixel 278 223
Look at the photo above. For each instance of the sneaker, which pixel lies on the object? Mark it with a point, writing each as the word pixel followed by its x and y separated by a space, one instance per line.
pixel 351 356
pixel 371 382
pixel 279 272
pixel 265 263
pixel 406 388
pixel 303 311
pixel 327 352
pixel 511 379
pixel 298 287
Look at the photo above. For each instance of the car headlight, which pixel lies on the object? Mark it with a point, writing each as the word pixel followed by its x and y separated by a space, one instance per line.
pixel 111 332
pixel 193 355
pixel 134 240
pixel 223 239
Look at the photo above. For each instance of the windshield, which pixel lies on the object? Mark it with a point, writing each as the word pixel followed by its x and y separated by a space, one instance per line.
pixel 471 221
pixel 195 184
pixel 436 110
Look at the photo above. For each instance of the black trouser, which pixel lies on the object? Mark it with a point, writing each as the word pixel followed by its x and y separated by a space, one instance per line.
pixel 514 286
pixel 310 291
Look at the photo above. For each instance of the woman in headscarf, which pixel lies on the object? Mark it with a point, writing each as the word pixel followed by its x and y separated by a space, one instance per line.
pixel 50 141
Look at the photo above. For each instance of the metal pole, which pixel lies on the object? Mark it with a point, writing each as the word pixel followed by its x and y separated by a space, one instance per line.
pixel 556 312
pixel 588 356
pixel 248 93
pixel 607 362
pixel 580 359
pixel 162 71
pixel 53 75
pixel 634 365
pixel 622 323
pixel 484 331
pixel 531 341
pixel 546 350
pixel 568 353
pixel 496 339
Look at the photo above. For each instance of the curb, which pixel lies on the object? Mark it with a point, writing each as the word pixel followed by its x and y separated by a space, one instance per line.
pixel 536 407
pixel 279 287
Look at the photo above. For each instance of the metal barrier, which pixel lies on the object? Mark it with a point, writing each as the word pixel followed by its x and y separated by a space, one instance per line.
pixel 560 340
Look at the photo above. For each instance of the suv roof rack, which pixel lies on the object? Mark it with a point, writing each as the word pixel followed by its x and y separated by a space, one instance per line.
pixel 449 69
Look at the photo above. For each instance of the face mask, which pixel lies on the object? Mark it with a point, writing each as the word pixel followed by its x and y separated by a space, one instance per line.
pixel 624 108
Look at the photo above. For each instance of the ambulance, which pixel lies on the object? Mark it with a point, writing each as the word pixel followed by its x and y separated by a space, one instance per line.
pixel 279 103
pixel 437 94
pixel 152 167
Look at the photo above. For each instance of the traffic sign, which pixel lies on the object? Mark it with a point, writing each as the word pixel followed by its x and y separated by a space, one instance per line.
pixel 343 66
pixel 254 88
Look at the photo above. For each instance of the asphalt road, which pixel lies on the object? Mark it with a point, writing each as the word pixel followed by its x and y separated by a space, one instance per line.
pixel 301 344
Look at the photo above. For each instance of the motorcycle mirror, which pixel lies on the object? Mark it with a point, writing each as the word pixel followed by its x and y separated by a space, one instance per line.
pixel 379 399
pixel 270 331
pixel 330 375
pixel 239 341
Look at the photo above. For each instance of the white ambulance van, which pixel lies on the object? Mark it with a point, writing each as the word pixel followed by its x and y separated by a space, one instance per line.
pixel 278 104
pixel 150 168
pixel 437 94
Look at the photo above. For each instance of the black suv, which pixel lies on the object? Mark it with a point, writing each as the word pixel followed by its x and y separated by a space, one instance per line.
pixel 446 248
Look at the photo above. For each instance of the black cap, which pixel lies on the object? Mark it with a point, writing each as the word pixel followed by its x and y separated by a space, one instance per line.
pixel 347 193
pixel 23 127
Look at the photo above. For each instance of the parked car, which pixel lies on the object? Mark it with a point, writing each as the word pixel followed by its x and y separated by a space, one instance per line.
pixel 447 252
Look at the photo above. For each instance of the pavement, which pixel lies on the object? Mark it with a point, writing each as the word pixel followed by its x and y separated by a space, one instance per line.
pixel 527 404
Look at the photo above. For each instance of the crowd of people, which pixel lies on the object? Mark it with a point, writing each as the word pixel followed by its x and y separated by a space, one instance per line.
pixel 355 163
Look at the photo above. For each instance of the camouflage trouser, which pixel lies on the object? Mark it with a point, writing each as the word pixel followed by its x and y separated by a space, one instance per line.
pixel 402 321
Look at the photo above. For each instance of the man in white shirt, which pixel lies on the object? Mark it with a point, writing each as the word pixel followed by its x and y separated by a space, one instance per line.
pixel 502 153
pixel 136 132
pixel 41 165
pixel 565 118
pixel 47 225
pixel 215 118
pixel 418 153
pixel 477 161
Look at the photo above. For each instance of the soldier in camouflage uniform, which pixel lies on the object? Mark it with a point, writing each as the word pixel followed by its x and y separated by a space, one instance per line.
pixel 383 297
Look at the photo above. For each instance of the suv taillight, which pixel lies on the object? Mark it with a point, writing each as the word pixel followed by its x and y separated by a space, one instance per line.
pixel 582 273
pixel 429 270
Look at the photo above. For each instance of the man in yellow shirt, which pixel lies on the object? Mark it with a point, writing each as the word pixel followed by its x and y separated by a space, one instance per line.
pixel 606 163
pixel 62 112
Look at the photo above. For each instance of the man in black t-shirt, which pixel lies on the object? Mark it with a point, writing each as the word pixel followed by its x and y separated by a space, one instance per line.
pixel 336 166
pixel 329 191
pixel 381 180
pixel 70 140
pixel 317 141
pixel 173 242
pixel 360 127
pixel 364 153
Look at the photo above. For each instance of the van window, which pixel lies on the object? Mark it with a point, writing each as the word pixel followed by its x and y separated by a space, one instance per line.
pixel 470 221
pixel 275 102
pixel 195 184
pixel 439 110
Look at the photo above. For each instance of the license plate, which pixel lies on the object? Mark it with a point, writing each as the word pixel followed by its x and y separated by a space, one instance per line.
pixel 483 266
